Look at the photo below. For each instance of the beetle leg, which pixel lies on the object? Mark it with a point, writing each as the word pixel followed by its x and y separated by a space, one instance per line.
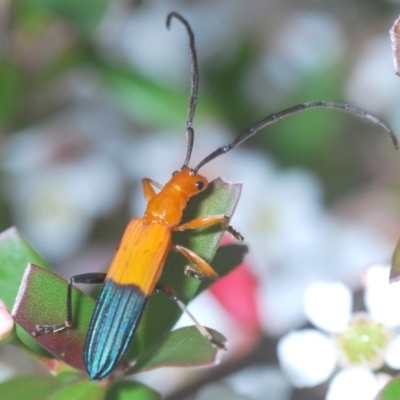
pixel 204 222
pixel 171 294
pixel 205 269
pixel 90 278
pixel 209 220
pixel 148 190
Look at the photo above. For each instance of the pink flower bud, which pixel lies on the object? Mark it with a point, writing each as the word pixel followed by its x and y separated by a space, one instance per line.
pixel 6 322
pixel 237 294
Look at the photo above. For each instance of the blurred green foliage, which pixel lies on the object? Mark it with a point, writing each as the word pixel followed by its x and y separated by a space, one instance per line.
pixel 84 16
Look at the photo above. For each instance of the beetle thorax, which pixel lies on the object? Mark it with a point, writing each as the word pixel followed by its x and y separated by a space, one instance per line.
pixel 167 206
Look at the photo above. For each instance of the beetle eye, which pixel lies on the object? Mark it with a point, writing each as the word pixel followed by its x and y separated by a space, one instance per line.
pixel 200 185
pixel 174 173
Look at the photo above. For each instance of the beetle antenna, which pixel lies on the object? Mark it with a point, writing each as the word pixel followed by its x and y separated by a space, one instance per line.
pixel 295 110
pixel 194 83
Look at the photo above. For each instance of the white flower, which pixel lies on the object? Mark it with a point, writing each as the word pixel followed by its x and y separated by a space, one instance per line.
pixel 358 343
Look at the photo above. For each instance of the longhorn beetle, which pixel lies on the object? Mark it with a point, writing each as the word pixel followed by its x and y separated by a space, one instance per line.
pixel 140 257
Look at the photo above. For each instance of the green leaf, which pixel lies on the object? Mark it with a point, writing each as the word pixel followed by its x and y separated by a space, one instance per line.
pixel 28 387
pixel 42 300
pixel 184 347
pixel 395 268
pixel 49 388
pixel 15 254
pixel 161 313
pixel 131 391
pixel 225 260
pixel 391 391
pixel 82 390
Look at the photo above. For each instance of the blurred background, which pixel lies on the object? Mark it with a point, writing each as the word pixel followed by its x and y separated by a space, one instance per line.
pixel 93 97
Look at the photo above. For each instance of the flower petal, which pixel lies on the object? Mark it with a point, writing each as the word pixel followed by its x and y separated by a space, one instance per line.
pixel 328 305
pixel 392 354
pixel 353 383
pixel 308 357
pixel 381 298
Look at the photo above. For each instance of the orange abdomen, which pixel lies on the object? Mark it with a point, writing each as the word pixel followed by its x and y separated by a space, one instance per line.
pixel 141 255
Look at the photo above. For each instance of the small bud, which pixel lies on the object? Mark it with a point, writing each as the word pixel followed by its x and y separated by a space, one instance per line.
pixel 395 38
pixel 6 322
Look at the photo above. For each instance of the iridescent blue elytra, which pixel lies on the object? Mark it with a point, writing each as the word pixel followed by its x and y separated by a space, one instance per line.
pixel 108 338
pixel 130 280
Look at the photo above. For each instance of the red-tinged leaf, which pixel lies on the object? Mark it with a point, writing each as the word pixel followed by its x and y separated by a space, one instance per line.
pixel 42 300
pixel 395 38
pixel 131 391
pixel 28 387
pixel 395 268
pixel 391 391
pixel 82 390
pixel 184 347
